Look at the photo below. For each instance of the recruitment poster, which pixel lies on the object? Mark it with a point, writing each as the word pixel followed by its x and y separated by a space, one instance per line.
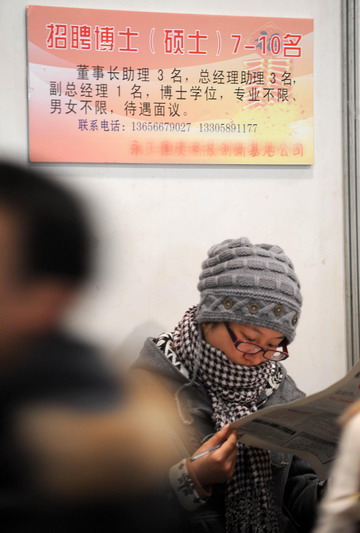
pixel 135 87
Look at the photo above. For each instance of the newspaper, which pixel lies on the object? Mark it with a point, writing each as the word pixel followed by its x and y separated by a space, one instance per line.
pixel 307 427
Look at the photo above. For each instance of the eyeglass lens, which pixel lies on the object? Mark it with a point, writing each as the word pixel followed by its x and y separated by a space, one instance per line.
pixel 253 349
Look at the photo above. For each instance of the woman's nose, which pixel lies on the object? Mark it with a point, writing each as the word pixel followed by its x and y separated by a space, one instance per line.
pixel 255 358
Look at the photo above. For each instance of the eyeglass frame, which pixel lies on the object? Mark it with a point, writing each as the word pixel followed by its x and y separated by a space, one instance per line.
pixel 237 342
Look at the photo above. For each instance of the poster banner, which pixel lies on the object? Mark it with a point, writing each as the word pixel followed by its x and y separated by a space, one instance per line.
pixel 135 87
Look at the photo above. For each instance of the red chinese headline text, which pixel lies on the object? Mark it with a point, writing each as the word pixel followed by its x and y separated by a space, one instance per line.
pixel 175 41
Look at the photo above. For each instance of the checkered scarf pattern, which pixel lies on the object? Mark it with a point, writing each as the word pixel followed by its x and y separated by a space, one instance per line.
pixel 233 390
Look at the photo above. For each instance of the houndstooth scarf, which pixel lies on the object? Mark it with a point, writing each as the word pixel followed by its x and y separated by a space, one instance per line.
pixel 233 390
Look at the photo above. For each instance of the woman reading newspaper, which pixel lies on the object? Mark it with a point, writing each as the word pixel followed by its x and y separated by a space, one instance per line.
pixel 220 363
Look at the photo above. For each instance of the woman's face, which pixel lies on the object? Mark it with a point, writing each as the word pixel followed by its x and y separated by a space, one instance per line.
pixel 216 334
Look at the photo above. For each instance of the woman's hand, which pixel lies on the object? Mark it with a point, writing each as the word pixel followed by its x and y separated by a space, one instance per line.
pixel 217 466
pixel 349 413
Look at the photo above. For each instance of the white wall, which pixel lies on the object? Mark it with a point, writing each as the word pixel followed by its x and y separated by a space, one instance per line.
pixel 156 222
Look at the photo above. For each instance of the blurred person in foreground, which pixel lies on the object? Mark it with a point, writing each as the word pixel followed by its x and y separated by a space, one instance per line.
pixel 68 458
pixel 340 509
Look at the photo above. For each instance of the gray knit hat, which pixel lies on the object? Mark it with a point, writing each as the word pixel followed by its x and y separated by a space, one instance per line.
pixel 251 284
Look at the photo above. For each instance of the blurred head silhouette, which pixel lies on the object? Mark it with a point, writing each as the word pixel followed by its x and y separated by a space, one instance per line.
pixel 44 254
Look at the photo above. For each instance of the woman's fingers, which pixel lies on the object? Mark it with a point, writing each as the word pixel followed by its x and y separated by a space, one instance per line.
pixel 220 436
pixel 215 440
pixel 218 465
pixel 233 456
pixel 227 448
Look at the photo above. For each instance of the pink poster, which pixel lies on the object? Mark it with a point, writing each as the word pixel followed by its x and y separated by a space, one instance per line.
pixel 134 87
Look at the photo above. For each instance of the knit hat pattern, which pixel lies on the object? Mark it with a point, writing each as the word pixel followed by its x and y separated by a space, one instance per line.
pixel 251 284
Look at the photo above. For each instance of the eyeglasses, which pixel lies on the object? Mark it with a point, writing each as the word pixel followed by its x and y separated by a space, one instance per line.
pixel 252 349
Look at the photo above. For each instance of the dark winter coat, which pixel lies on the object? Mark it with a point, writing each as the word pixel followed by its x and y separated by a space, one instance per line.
pixel 296 487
